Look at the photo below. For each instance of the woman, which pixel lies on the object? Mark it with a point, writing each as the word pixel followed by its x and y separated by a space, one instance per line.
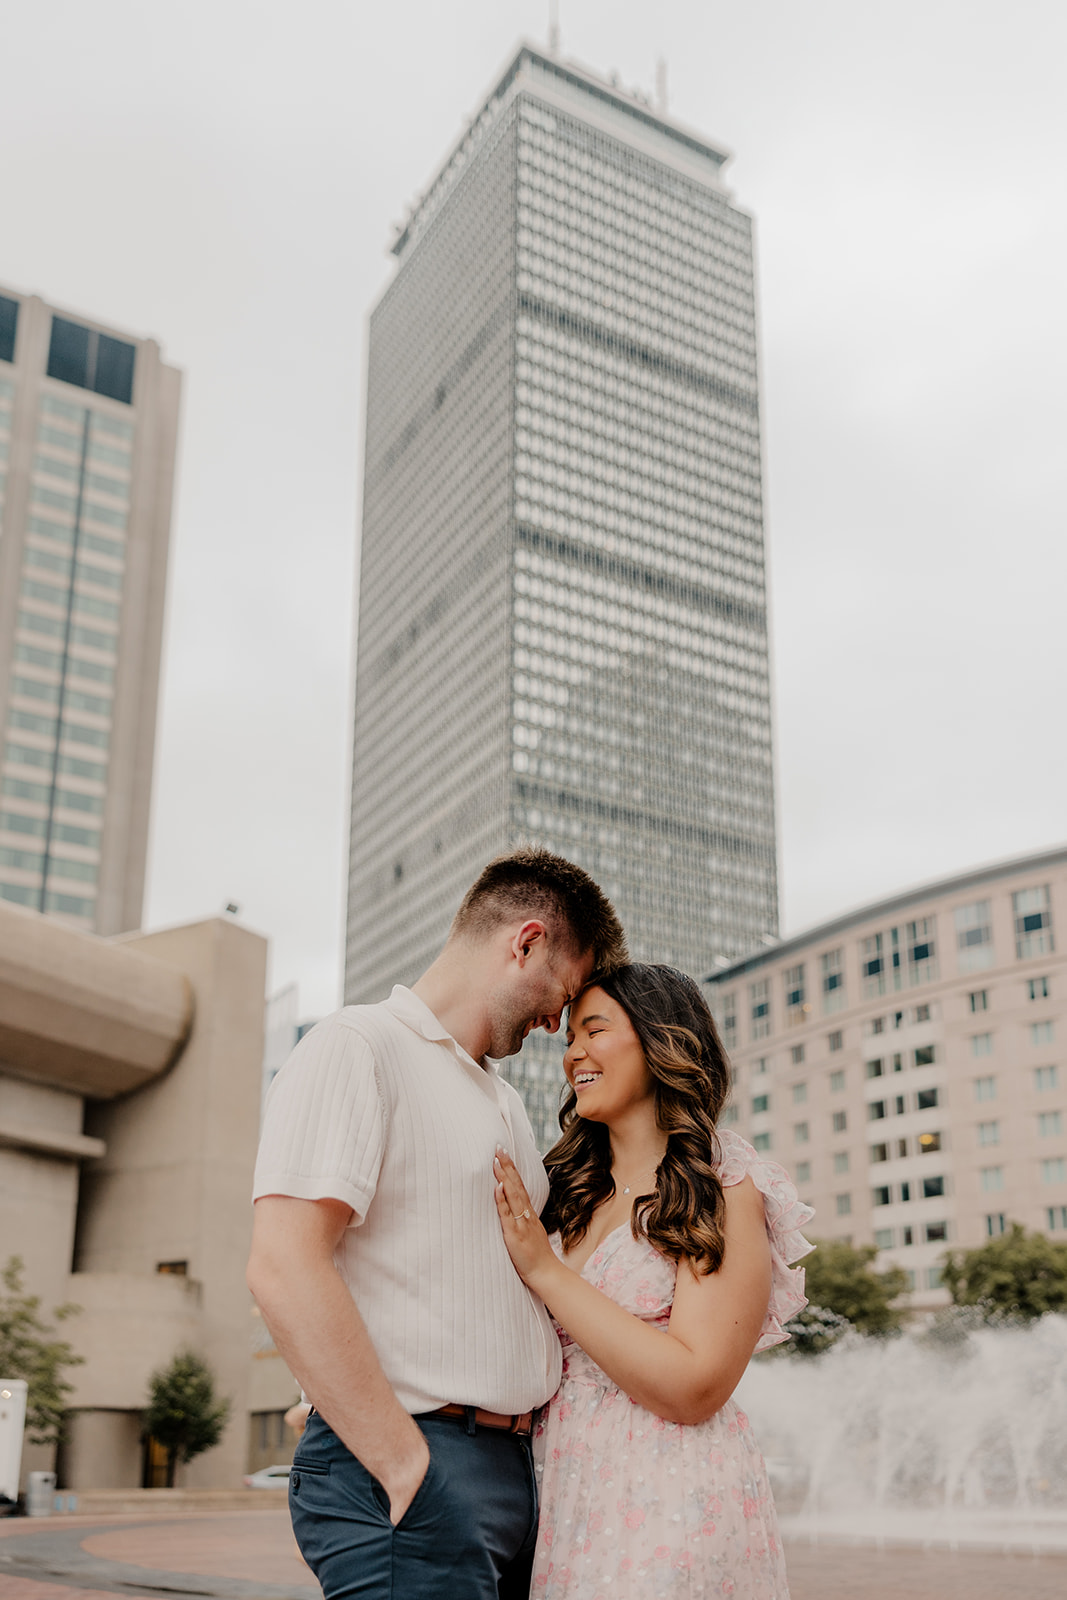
pixel 665 1264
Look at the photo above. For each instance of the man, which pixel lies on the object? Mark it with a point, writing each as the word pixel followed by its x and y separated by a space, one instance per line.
pixel 377 1258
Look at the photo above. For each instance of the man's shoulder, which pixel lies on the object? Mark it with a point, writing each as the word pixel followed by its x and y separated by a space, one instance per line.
pixel 374 1024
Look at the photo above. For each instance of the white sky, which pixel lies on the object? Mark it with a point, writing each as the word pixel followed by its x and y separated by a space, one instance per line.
pixel 224 176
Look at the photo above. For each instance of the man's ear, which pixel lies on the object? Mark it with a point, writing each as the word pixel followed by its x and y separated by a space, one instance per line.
pixel 525 939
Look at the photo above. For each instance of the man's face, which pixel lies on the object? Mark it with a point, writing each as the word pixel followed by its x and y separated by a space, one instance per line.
pixel 537 995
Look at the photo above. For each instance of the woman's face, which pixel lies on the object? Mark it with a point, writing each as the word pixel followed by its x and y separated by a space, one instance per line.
pixel 604 1062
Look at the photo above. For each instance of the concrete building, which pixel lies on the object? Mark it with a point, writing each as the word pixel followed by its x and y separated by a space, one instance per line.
pixel 906 1063
pixel 88 424
pixel 562 629
pixel 129 1114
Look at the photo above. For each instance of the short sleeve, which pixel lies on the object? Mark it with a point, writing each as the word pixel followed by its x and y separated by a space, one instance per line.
pixel 786 1214
pixel 324 1125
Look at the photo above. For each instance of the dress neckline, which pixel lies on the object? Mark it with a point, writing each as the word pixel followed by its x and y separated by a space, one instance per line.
pixel 595 1252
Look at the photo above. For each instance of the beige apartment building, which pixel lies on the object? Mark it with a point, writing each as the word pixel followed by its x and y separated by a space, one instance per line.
pixel 129 1115
pixel 906 1063
pixel 88 427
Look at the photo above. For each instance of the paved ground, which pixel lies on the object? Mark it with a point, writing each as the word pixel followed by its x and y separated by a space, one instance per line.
pixel 251 1556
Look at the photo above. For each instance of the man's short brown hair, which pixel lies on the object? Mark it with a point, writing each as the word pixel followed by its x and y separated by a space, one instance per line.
pixel 534 882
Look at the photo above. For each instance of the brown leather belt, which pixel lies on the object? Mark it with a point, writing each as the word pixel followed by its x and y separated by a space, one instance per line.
pixel 521 1423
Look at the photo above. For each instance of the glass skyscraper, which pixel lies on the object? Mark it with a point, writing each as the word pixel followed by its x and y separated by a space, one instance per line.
pixel 88 422
pixel 562 628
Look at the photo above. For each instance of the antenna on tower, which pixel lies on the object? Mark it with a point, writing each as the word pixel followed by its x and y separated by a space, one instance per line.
pixel 661 86
pixel 553 27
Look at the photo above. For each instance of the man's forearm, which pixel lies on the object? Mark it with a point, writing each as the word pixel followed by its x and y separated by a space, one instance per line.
pixel 325 1344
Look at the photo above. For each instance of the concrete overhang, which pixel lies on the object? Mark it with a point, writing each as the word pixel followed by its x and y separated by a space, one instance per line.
pixel 80 1013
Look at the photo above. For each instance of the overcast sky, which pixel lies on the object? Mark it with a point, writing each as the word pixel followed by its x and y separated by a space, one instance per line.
pixel 224 177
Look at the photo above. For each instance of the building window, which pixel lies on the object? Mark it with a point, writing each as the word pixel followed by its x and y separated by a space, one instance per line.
pixel 907 1238
pixel 979 999
pixel 989 1133
pixel 91 360
pixel 1042 1032
pixel 797 1054
pixel 927 1099
pixel 761 1141
pixel 898 1103
pixel 985 1088
pixel 1033 922
pixel 879 1152
pixel 933 1188
pixel 173 1269
pixel 936 1232
pixel 873 966
pixel 877 1025
pixel 801 1133
pixel 1054 1171
pixel 729 1020
pixel 924 1056
pixel 981 1044
pixel 760 997
pixel 874 1069
pixel 803 1170
pixel 1045 1078
pixel 800 1093
pixel 1049 1124
pixel 883 1239
pixel 928 1143
pixel 1057 1218
pixel 9 321
pixel 882 1196
pixel 922 1013
pixel 990 1179
pixel 843 1202
pixel 837 1082
pixel 922 967
pixel 795 1006
pixel 933 1277
pixel 831 963
pixel 876 1111
pixel 995 1224
pixel 902 1147
pixel 1037 988
pixel 841 1161
pixel 835 1040
pixel 839 1121
pixel 905 1191
pixel 761 1066
pixel 974 936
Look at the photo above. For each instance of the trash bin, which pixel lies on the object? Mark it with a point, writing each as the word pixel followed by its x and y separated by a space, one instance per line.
pixel 40 1494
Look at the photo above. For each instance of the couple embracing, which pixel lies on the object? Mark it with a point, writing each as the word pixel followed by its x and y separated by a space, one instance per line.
pixel 432 1289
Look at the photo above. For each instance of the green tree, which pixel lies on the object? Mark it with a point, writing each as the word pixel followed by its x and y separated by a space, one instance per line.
pixel 839 1277
pixel 814 1330
pixel 183 1413
pixel 1020 1274
pixel 30 1350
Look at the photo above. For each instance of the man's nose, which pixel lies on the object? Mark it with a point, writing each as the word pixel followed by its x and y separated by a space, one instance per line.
pixel 551 1024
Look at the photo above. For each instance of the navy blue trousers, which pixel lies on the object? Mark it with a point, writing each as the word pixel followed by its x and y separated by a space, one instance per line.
pixel 468 1534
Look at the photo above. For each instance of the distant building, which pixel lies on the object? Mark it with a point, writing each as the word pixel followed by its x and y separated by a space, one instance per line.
pixel 907 1062
pixel 562 630
pixel 129 1115
pixel 88 423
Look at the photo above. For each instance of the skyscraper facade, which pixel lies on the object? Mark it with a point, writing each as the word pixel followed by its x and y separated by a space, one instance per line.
pixel 562 630
pixel 88 426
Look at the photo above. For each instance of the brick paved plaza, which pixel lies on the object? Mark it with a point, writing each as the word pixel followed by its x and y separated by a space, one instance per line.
pixel 250 1555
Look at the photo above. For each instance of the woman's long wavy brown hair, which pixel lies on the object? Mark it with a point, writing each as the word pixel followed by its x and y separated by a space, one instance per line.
pixel 683 1217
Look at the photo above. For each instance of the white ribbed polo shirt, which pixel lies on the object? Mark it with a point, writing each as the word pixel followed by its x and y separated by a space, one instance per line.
pixel 379 1107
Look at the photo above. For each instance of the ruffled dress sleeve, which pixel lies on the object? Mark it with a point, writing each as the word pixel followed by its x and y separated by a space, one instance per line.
pixel 786 1214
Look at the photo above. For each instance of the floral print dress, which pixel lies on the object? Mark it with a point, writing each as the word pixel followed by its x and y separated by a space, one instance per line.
pixel 636 1508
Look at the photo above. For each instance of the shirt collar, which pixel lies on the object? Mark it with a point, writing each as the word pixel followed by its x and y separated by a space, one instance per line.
pixel 416 1014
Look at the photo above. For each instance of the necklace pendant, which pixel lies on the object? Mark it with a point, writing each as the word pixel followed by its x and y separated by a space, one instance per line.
pixel 627 1189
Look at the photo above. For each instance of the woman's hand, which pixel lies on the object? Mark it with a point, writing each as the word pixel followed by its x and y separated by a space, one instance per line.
pixel 531 1254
